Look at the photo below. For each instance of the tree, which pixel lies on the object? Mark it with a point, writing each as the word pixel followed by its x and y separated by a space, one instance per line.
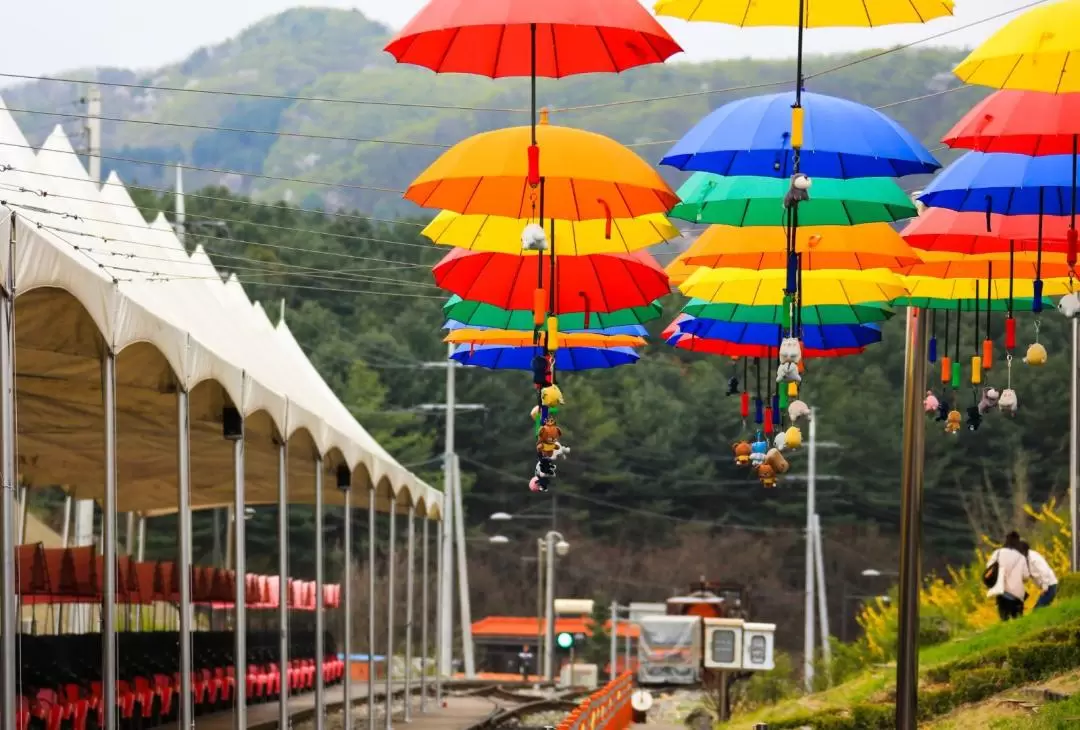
pixel 596 648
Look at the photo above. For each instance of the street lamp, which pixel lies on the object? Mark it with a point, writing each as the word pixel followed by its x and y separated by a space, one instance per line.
pixel 498 539
pixel 553 545
pixel 501 517
pixel 874 573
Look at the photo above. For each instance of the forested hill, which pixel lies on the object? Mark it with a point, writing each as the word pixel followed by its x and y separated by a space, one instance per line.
pixel 652 438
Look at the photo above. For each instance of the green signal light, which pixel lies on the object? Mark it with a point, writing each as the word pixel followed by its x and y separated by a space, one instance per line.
pixel 564 640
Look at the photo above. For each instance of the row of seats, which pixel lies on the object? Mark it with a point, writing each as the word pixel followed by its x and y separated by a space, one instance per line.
pixel 61 685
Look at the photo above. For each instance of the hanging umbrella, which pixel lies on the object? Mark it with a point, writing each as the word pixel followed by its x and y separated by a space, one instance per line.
pixel 690 343
pixel 598 283
pixel 500 357
pixel 1037 51
pixel 842 140
pixel 632 330
pixel 825 314
pixel 828 337
pixel 759 201
pixel 923 289
pixel 941 229
pixel 478 314
pixel 1004 183
pixel 741 286
pixel 816 13
pixel 867 246
pixel 1020 122
pixel 575 238
pixel 585 176
pixel 990 266
pixel 525 339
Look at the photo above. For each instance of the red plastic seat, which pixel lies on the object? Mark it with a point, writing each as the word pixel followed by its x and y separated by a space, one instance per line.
pixel 78 706
pixel 274 686
pixel 125 700
pixel 165 689
pixel 144 696
pixel 22 714
pixel 49 708
pixel 295 675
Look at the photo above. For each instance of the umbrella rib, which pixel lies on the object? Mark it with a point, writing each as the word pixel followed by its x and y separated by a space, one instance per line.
pixel 446 49
pixel 607 49
pixel 498 51
pixel 554 51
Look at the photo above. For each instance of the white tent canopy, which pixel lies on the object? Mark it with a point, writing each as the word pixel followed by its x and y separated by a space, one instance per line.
pixel 92 276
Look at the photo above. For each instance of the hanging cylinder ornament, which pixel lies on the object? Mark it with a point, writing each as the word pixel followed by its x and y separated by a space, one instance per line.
pixel 946 369
pixel 987 354
pixel 1071 238
pixel 553 334
pixel 539 306
pixel 798 114
pixel 776 410
pixel 793 389
pixel 768 425
pixel 744 405
pixel 759 411
pixel 976 370
pixel 534 165
pixel 957 375
pixel 782 400
pixel 931 349
pixel 1010 334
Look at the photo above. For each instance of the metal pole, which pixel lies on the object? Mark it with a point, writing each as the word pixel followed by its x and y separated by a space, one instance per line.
pixel 410 575
pixel 446 617
pixel 140 552
pixel 129 535
pixel 389 723
pixel 626 651
pixel 346 590
pixel 371 609
pixel 240 601
pixel 823 604
pixel 1074 446
pixel 183 514
pixel 440 598
pixel 283 581
pixel 93 131
pixel 65 534
pixel 463 576
pixel 230 537
pixel 811 507
pixel 907 662
pixel 320 619
pixel 614 659
pixel 108 538
pixel 541 654
pixel 549 609
pixel 24 501
pixel 423 612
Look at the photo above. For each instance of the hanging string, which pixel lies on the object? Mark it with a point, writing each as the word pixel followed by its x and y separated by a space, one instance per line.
pixel 956 368
pixel 976 360
pixel 744 399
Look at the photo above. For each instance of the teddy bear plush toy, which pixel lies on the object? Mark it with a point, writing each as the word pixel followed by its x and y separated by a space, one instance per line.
pixel 989 400
pixel 930 402
pixel 952 423
pixel 766 476
pixel 777 462
pixel 1008 403
pixel 742 453
pixel 797 409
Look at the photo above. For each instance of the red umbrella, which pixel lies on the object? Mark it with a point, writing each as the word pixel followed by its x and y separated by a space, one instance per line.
pixel 724 348
pixel 1021 122
pixel 940 229
pixel 596 283
pixel 495 38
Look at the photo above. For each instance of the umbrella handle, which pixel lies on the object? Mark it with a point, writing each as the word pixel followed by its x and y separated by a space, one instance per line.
pixel 607 218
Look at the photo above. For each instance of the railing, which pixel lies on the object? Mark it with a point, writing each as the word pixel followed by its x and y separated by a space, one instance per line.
pixel 606 709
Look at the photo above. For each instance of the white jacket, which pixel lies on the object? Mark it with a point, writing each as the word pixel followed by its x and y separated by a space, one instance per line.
pixel 1012 572
pixel 1041 572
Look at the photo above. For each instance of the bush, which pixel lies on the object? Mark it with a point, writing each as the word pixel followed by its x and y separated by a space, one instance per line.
pixel 767 688
pixel 1069 585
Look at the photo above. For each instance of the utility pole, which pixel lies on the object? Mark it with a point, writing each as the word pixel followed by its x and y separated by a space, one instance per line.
pixel 93 131
pixel 811 510
pixel 181 211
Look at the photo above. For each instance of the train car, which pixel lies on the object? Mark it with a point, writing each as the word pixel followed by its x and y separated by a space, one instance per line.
pixel 670 650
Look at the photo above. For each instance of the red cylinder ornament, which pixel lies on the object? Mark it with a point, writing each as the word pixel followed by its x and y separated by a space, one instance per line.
pixel 534 165
pixel 1010 334
pixel 744 407
pixel 768 421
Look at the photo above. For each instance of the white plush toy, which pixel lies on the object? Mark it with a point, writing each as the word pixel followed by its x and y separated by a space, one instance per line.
pixel 797 409
pixel 780 442
pixel 788 372
pixel 790 351
pixel 991 397
pixel 1008 402
pixel 1069 305
pixel 533 238
pixel 560 452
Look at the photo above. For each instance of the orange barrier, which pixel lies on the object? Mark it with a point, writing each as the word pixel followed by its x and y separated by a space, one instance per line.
pixel 606 709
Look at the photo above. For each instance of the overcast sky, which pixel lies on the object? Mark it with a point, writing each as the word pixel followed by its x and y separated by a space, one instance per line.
pixel 47 36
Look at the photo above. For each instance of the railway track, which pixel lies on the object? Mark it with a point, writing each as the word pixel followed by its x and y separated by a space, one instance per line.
pixel 509 704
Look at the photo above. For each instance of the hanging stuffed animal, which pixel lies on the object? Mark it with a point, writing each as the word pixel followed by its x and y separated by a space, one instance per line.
pixel 560 452
pixel 732 386
pixel 742 453
pixel 545 468
pixel 536 484
pixel 547 440
pixel 943 411
pixel 989 400
pixel 788 372
pixel 797 409
pixel 766 476
pixel 533 238
pixel 1069 305
pixel 777 461
pixel 930 402
pixel 757 451
pixel 1008 403
pixel 974 418
pixel 952 423
pixel 780 442
pixel 790 350
pixel 541 367
pixel 793 437
pixel 798 191
pixel 551 396
pixel 1036 355
pixel 534 413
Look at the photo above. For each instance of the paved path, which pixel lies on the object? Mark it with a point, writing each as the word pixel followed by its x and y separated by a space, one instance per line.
pixel 460 713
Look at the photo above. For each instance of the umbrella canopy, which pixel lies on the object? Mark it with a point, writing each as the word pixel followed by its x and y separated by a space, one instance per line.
pixel 567 359
pixel 740 286
pixel 525 339
pixel 924 288
pixel 941 229
pixel 678 270
pixel 826 314
pixel 1005 184
pixel 494 37
pixel 965 305
pixel 818 13
pixel 723 348
pixel 586 176
pixel 572 238
pixel 1019 122
pixel 600 283
pixel 828 337
pixel 842 139
pixel 478 314
pixel 632 330
pixel 759 201
pixel 1037 51
pixel 991 266
pixel 869 246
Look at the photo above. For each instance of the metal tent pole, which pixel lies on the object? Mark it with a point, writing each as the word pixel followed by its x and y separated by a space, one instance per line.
pixel 346 589
pixel 183 507
pixel 320 648
pixel 811 507
pixel 410 576
pixel 240 566
pixel 424 611
pixel 463 575
pixel 371 609
pixel 446 614
pixel 440 600
pixel 390 615
pixel 8 666
pixel 283 581
pixel 108 539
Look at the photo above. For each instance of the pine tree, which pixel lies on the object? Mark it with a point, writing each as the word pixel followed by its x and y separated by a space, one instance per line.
pixel 596 649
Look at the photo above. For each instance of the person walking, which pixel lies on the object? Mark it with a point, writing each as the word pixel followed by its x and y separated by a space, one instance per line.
pixel 1005 574
pixel 1041 574
pixel 525 658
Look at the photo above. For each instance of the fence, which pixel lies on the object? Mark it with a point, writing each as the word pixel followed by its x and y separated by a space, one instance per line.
pixel 606 709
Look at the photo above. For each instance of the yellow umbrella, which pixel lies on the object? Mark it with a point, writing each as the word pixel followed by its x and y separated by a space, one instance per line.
pixel 678 270
pixel 1037 51
pixel 516 338
pixel 993 266
pixel 867 246
pixel 573 238
pixel 818 13
pixel 766 288
pixel 932 288
pixel 585 176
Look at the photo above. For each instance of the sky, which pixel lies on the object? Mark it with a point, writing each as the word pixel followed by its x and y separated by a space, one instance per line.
pixel 128 33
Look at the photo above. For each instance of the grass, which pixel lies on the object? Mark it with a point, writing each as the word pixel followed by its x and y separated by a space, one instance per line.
pixel 876 681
